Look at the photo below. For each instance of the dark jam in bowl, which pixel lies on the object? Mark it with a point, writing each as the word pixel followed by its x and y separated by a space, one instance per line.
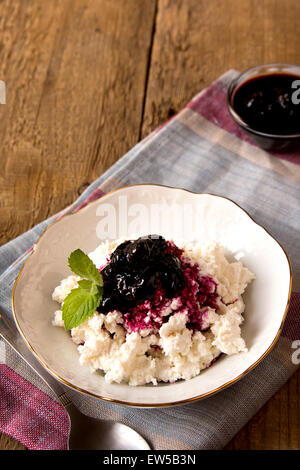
pixel 137 268
pixel 264 103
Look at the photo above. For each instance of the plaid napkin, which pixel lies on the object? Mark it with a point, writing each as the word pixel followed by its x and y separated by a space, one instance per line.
pixel 200 149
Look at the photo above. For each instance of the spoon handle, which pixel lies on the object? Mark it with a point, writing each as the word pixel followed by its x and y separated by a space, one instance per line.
pixel 12 337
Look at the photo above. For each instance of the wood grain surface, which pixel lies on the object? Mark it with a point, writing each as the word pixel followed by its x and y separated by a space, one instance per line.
pixel 86 79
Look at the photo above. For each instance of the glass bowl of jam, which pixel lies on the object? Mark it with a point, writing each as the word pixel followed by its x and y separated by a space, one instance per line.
pixel 265 102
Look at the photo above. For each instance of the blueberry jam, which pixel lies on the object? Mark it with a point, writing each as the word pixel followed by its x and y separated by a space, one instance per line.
pixel 265 103
pixel 136 270
pixel 199 293
pixel 149 279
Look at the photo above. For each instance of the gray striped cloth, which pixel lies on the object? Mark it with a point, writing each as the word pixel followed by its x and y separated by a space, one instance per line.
pixel 200 149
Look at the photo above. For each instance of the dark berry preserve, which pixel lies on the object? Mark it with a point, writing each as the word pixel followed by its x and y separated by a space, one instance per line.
pixel 268 104
pixel 137 268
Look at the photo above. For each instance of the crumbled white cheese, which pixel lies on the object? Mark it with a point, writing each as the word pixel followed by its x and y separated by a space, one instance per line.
pixel 232 278
pixel 57 320
pixel 60 292
pixel 172 351
pixel 226 329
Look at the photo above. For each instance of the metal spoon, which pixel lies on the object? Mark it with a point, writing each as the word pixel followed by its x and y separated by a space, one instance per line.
pixel 85 432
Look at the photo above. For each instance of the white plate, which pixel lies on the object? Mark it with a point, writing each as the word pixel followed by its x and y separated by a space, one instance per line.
pixel 215 218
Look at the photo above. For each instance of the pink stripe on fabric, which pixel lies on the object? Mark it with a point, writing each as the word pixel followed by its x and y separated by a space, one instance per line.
pixel 291 328
pixel 29 415
pixel 212 105
pixel 96 194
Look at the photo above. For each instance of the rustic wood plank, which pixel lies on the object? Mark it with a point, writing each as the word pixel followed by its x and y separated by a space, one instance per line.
pixel 195 41
pixel 75 74
pixel 7 443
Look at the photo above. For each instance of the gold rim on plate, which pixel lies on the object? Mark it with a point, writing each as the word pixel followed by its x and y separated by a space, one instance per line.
pixel 153 405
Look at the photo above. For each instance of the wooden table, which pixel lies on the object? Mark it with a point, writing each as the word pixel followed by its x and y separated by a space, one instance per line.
pixel 87 79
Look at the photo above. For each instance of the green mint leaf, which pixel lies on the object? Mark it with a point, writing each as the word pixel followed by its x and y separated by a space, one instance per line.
pixel 90 286
pixel 84 267
pixel 83 301
pixel 85 284
pixel 79 305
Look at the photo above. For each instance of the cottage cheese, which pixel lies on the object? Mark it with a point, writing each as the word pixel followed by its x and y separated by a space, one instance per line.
pixel 167 348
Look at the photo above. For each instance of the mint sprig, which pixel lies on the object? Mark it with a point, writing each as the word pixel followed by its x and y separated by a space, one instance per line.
pixel 84 300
